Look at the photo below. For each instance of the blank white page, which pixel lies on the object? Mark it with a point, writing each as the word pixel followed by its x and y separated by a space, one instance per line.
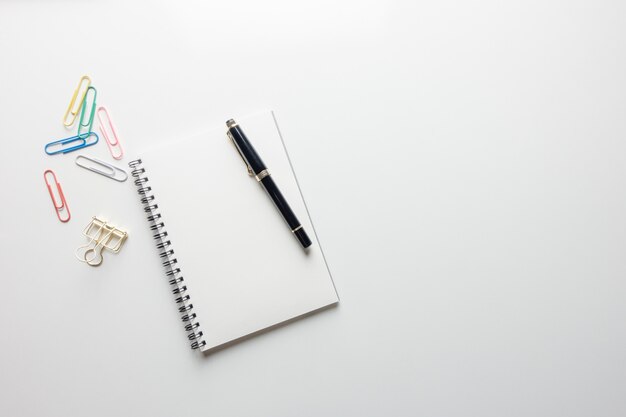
pixel 244 269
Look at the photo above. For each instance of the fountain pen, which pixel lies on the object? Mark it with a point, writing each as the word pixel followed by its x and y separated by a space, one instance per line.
pixel 257 168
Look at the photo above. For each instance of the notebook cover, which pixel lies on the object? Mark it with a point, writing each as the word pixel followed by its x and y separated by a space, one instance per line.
pixel 244 270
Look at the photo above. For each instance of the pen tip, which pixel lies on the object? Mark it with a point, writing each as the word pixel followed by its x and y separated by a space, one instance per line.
pixel 230 123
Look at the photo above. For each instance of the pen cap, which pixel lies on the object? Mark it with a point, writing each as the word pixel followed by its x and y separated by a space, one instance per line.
pixel 246 149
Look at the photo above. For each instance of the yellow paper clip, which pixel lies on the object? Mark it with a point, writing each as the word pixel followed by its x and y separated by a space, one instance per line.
pixel 72 110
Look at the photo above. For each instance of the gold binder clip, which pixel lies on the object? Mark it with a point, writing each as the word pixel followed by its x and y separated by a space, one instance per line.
pixel 72 110
pixel 101 236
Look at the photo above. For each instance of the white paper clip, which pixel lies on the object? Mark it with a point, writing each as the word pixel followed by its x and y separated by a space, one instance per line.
pixel 102 168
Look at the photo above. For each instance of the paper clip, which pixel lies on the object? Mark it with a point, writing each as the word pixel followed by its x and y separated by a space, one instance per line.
pixel 101 236
pixel 83 110
pixel 109 171
pixel 82 139
pixel 59 207
pixel 86 82
pixel 112 141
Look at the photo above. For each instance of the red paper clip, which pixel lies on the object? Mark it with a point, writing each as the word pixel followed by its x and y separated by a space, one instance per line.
pixel 58 207
pixel 113 142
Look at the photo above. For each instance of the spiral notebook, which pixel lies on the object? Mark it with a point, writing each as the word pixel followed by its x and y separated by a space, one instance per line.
pixel 233 265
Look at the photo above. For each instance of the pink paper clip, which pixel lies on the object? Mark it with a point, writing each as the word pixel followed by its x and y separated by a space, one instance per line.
pixel 112 141
pixel 59 207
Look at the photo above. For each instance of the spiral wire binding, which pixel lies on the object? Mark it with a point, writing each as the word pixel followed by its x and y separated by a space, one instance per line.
pixel 166 252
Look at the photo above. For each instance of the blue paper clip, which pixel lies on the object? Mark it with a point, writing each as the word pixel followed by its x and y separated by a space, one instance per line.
pixel 82 139
pixel 83 110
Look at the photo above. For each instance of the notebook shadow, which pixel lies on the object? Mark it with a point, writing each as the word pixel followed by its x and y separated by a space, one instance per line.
pixel 212 351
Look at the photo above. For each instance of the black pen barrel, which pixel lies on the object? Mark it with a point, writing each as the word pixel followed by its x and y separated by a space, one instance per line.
pixel 257 168
pixel 285 210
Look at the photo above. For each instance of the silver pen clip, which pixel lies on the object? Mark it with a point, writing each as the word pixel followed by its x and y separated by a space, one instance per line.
pixel 231 123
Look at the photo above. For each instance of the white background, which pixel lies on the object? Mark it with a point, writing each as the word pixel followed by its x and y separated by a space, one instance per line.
pixel 464 167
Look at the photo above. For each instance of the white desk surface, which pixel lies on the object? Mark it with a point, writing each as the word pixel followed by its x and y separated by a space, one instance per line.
pixel 464 167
